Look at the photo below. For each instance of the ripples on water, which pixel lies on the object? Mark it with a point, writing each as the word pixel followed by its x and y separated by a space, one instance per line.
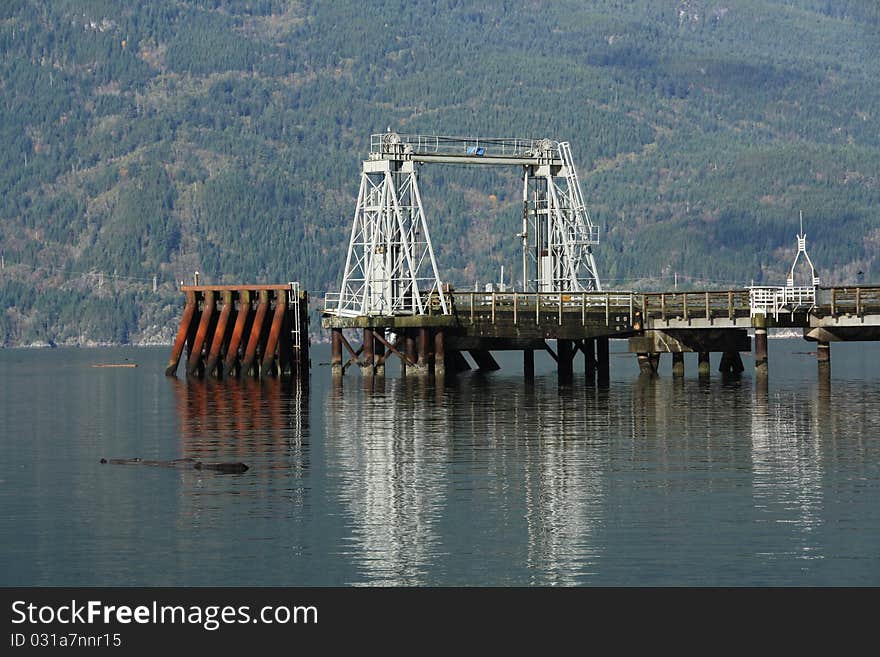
pixel 486 480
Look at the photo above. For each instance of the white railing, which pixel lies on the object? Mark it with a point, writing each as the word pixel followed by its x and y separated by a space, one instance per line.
pixel 773 300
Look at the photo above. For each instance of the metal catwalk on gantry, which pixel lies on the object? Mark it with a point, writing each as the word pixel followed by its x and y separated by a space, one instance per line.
pixel 390 268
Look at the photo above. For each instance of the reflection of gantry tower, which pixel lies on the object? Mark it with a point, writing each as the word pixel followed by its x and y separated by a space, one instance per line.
pixel 390 269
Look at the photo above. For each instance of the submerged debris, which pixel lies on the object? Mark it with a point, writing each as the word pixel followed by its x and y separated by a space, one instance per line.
pixel 186 463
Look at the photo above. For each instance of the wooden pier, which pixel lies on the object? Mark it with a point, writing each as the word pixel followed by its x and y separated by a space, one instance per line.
pixel 243 330
pixel 583 322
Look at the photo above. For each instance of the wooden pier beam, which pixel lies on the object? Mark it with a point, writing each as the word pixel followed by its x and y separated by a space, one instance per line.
pixel 647 365
pixel 484 360
pixel 182 332
pixel 731 363
pixel 456 362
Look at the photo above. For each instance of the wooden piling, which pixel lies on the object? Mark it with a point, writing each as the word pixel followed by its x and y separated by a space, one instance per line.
pixel 646 365
pixel 378 355
pixel 677 363
pixel 367 363
pixel 603 361
pixel 588 346
pixel 565 355
pixel 731 363
pixel 529 364
pixel 704 364
pixel 336 352
pixel 823 357
pixel 439 353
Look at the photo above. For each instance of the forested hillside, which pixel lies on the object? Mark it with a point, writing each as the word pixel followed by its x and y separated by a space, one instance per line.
pixel 153 138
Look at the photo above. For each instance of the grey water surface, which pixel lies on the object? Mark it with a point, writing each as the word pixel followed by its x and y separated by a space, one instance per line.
pixel 486 480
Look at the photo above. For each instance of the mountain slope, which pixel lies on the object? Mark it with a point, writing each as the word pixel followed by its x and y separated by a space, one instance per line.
pixel 166 137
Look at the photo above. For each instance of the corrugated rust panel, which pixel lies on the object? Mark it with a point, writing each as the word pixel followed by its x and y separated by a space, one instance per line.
pixel 180 341
pixel 274 332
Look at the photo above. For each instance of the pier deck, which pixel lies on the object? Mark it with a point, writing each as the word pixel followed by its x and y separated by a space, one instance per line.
pixel 655 322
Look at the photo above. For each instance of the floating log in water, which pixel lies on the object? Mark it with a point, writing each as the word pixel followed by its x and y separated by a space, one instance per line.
pixel 115 365
pixel 186 463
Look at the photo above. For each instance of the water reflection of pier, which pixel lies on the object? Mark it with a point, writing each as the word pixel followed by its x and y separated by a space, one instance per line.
pixel 388 447
pixel 528 473
pixel 787 467
pixel 264 424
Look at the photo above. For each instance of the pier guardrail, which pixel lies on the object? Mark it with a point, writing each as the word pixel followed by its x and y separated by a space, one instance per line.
pixel 774 300
pixel 540 305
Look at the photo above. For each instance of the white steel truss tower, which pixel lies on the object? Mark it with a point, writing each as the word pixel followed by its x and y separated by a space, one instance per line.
pixel 558 234
pixel 390 268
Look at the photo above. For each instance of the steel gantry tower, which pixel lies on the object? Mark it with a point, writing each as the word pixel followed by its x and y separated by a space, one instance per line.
pixel 390 269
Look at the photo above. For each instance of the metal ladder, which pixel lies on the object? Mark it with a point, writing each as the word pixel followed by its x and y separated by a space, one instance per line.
pixel 295 332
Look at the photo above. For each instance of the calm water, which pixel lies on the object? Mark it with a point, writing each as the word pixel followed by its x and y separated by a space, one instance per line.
pixel 486 481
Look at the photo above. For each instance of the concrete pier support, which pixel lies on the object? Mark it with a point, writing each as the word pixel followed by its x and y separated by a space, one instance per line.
pixel 603 361
pixel 336 352
pixel 704 364
pixel 529 364
pixel 677 363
